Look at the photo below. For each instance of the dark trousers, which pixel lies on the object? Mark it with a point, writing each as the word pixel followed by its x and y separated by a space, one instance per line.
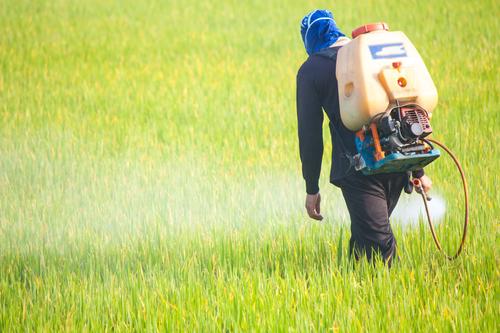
pixel 370 201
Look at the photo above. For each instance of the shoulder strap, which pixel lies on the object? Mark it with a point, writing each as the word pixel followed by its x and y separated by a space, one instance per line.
pixel 330 53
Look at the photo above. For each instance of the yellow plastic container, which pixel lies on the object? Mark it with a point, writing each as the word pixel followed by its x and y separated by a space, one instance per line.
pixel 376 69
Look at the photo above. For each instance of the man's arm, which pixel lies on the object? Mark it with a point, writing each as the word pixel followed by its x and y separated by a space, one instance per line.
pixel 310 121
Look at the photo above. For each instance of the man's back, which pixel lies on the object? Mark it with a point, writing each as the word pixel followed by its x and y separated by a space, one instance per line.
pixel 317 90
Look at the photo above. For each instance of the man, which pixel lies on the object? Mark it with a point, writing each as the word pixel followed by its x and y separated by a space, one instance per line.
pixel 370 200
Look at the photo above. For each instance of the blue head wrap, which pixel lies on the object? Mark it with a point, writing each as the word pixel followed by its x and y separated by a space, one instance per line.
pixel 319 31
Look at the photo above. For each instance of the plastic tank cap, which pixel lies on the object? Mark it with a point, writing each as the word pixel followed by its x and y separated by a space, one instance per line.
pixel 369 28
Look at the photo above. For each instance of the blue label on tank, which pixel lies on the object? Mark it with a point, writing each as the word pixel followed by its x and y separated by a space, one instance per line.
pixel 387 51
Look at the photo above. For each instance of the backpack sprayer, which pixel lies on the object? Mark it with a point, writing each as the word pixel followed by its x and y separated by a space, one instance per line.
pixel 386 96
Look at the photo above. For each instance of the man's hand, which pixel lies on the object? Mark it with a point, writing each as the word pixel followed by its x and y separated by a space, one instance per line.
pixel 426 183
pixel 313 206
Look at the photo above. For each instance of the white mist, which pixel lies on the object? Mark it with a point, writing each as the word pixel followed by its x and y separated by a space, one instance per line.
pixel 410 210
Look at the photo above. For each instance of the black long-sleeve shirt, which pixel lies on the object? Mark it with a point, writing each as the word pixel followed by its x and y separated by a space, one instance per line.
pixel 317 91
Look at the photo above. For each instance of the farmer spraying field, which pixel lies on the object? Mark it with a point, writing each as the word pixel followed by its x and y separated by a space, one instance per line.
pixel 148 166
pixel 378 96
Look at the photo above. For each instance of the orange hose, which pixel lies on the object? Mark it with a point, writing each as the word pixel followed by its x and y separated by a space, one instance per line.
pixel 420 190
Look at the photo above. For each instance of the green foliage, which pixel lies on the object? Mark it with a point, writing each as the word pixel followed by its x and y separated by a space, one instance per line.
pixel 150 180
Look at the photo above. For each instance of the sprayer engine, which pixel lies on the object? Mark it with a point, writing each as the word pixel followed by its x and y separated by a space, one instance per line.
pixel 393 141
pixel 401 129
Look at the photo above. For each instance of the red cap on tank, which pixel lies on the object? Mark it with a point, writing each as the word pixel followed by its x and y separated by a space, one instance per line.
pixel 369 28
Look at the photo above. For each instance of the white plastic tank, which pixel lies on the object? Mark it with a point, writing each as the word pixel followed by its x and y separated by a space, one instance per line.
pixel 377 68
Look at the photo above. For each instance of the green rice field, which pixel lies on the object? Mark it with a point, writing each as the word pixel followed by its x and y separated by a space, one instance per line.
pixel 150 176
